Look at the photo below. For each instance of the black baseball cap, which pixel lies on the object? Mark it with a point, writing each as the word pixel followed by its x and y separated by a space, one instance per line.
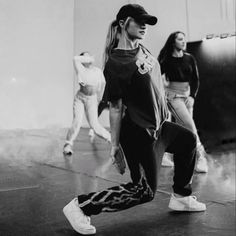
pixel 137 12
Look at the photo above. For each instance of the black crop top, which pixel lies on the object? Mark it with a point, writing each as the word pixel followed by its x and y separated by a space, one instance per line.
pixel 182 69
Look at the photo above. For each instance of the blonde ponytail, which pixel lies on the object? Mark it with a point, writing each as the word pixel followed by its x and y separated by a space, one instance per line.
pixel 113 36
pixel 111 40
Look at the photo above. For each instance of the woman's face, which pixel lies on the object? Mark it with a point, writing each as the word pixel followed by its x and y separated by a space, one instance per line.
pixel 136 30
pixel 180 42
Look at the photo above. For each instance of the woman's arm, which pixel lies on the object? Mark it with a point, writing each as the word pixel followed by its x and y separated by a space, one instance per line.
pixel 101 85
pixel 79 67
pixel 117 154
pixel 116 109
pixel 101 91
pixel 194 83
pixel 166 82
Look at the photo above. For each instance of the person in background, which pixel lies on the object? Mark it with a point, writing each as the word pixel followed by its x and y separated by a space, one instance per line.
pixel 91 82
pixel 134 80
pixel 181 78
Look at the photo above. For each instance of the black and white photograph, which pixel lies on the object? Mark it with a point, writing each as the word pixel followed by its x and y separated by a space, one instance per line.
pixel 117 117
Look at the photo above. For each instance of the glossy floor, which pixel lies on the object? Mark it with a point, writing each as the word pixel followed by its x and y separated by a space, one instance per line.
pixel 36 181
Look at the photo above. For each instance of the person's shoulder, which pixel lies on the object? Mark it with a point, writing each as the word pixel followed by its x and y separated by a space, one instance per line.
pixel 149 54
pixel 118 61
pixel 189 58
pixel 144 48
pixel 111 63
pixel 188 55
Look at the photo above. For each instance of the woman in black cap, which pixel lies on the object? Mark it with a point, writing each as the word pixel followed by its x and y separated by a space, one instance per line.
pixel 134 82
pixel 180 72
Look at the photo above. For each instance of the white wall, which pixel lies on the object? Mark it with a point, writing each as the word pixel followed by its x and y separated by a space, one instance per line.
pixel 210 17
pixel 36 75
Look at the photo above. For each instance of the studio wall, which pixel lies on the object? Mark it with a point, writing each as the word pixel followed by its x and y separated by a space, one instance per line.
pixel 215 104
pixel 36 75
pixel 39 39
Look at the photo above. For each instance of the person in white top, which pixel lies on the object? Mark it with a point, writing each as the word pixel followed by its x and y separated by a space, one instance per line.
pixel 91 83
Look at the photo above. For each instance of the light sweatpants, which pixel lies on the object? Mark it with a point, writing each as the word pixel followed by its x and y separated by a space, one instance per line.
pixel 182 112
pixel 88 105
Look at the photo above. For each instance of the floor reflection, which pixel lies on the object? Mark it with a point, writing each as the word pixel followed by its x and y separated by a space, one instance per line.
pixel 37 180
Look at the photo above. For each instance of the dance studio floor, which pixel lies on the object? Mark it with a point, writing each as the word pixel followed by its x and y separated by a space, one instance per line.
pixel 36 181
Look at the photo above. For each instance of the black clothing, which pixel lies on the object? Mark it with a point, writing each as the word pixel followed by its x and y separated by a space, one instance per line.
pixel 141 150
pixel 134 77
pixel 182 69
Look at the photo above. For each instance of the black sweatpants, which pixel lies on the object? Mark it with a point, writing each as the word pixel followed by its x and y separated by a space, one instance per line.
pixel 144 155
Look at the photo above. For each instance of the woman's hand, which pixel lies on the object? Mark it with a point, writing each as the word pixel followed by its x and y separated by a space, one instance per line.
pixel 190 101
pixel 114 151
pixel 118 159
pixel 116 109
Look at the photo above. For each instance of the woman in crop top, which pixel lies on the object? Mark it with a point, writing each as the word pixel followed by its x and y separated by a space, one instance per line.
pixel 91 81
pixel 134 81
pixel 182 82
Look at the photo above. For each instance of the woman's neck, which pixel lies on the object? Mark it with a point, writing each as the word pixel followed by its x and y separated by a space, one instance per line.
pixel 177 53
pixel 127 43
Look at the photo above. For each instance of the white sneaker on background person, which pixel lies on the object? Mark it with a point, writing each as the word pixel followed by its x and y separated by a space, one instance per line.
pixel 201 165
pixel 67 149
pixel 167 160
pixel 78 220
pixel 188 203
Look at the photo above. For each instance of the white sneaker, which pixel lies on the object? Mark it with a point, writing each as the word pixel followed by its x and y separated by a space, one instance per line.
pixel 78 220
pixel 166 160
pixel 201 166
pixel 189 203
pixel 67 150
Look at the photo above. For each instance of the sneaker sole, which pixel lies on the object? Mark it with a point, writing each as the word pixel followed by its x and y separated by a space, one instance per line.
pixel 186 209
pixel 201 171
pixel 79 230
pixel 167 165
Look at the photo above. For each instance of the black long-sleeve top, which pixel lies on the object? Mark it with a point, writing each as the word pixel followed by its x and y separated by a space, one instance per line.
pixel 182 69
